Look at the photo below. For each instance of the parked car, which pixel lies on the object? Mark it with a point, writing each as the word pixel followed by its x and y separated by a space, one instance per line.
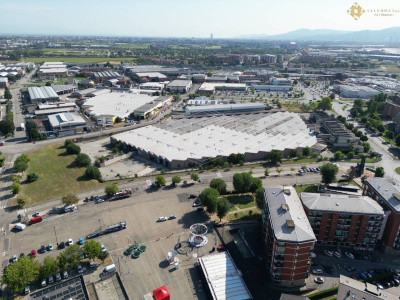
pixel 61 245
pixel 337 254
pixel 353 277
pixel 80 270
pixel 351 269
pixel 100 200
pixel 27 289
pixel 14 258
pixel 200 209
pixel 44 283
pixel 162 219
pixel 103 248
pixel 43 249
pixel 80 241
pixel 192 196
pixel 368 275
pixel 91 264
pixel 33 253
pixel 349 255
pixel 171 217
pixel 196 203
pixel 51 279
pixel 318 280
pixel 317 271
pixel 363 276
pixel 36 214
pixel 50 247
pixel 65 274
pixel 329 253
pixel 58 277
pixel 70 242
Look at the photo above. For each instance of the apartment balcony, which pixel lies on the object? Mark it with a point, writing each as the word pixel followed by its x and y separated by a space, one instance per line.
pixel 279 257
pixel 370 229
pixel 278 263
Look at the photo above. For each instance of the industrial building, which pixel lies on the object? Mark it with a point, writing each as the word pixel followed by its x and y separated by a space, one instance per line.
pixel 288 236
pixel 42 94
pixel 210 88
pixel 105 108
pixel 63 121
pixel 179 143
pixel 280 81
pixel 388 196
pixel 180 86
pixel 63 89
pixel 223 279
pixel 48 109
pixel 106 75
pixel 149 109
pixel 345 220
pixel 273 88
pixel 356 91
pixel 152 76
pixel 54 69
pixel 216 108
pixel 158 86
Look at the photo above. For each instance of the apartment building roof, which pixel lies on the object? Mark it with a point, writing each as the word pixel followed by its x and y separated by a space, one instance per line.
pixel 288 219
pixel 341 203
pixel 389 192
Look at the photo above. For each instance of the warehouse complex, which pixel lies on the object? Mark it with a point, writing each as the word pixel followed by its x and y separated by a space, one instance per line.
pixel 42 94
pixel 183 142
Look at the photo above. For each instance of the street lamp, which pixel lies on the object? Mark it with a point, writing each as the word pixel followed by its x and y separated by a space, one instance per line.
pixel 55 234
pixel 99 224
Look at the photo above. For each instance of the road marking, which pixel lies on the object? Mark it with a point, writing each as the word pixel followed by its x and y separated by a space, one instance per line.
pixel 4 253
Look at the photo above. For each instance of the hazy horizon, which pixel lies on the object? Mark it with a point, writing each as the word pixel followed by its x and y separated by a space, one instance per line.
pixel 178 18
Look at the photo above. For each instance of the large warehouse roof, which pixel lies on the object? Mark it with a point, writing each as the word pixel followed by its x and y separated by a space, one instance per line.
pixel 116 104
pixel 221 135
pixel 42 93
pixel 223 278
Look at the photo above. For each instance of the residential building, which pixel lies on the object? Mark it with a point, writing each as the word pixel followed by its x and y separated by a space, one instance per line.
pixel 269 58
pixel 3 82
pixel 288 236
pixel 388 196
pixel 180 86
pixel 345 220
pixel 353 289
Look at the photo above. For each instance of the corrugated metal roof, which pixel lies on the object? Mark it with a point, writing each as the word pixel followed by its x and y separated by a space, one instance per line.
pixel 42 93
pixel 223 278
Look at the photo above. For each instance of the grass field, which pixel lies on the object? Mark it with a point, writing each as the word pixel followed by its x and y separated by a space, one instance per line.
pixel 308 188
pixel 242 202
pixel 57 175
pixel 245 215
pixel 79 59
pixel 300 161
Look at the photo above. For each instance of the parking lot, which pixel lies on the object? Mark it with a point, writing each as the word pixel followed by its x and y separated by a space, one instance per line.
pixel 150 270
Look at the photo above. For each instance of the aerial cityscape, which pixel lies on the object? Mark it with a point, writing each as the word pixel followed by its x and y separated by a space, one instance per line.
pixel 209 151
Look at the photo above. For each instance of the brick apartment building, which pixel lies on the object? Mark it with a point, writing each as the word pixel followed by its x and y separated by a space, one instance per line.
pixel 388 196
pixel 288 236
pixel 345 220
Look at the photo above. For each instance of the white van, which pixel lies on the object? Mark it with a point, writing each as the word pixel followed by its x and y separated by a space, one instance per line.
pixel 69 208
pixel 20 226
pixel 109 269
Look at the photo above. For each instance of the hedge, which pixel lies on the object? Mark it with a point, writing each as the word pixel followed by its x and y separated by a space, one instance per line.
pixel 323 294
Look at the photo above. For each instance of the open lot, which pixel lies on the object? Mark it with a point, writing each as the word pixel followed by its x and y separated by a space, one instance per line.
pixel 140 213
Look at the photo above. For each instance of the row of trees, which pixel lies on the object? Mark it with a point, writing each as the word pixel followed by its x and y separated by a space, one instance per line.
pixel 27 269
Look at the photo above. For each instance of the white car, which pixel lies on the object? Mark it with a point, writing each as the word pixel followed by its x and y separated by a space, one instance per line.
pixel 329 253
pixel 80 270
pixel 349 255
pixel 70 242
pixel 103 248
pixel 162 219
pixel 317 271
pixel 14 258
pixel 319 280
pixel 44 283
pixel 337 254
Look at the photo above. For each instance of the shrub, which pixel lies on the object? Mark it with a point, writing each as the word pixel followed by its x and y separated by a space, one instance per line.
pixel 16 188
pixel 67 142
pixel 83 160
pixel 73 149
pixel 32 177
pixel 93 172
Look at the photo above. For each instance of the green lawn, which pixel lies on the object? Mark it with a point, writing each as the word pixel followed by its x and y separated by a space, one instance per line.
pixel 245 215
pixel 242 202
pixel 300 161
pixel 308 188
pixel 80 59
pixel 398 170
pixel 57 175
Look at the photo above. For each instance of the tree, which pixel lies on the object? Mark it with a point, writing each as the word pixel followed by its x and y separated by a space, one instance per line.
pixel 30 124
pixel 92 248
pixel 160 180
pixel 255 185
pixel 266 172
pixel 22 200
pixel 379 172
pixel 279 170
pixel 93 172
pixel 83 160
pixel 111 189
pixel 307 151
pixel 367 146
pixel 350 154
pixel 275 156
pixel 20 166
pixel 48 83
pixel 332 96
pixel 49 267
pixel 239 183
pixel 32 177
pixel 7 94
pixel 6 126
pixel 73 149
pixel 194 177
pixel 293 169
pixel 222 208
pixel 69 199
pixel 293 153
pixel 338 155
pixel 117 120
pixel 390 135
pixel 209 198
pixel 325 104
pixel 364 138
pixel 219 185
pixel 103 255
pixel 62 261
pixel 176 179
pixel 328 172
pixel 20 273
pixel 397 141
pixel 67 142
pixel 73 254
pixel 260 198
pixel 16 188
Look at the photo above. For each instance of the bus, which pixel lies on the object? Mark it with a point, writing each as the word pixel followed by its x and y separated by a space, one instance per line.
pixel 22 126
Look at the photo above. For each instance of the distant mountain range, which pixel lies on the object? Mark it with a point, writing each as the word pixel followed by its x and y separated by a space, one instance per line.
pixel 377 36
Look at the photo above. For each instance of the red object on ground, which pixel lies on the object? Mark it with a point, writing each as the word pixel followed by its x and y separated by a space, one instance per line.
pixel 36 220
pixel 161 293
pixel 33 253
pixel 221 248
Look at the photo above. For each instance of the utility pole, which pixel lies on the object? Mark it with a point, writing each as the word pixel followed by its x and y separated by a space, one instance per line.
pixel 55 234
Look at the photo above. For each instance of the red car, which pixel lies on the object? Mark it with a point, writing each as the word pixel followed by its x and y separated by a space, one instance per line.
pixel 33 253
pixel 354 277
pixel 221 248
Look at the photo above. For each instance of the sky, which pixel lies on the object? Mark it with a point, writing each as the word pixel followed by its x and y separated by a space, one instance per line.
pixel 186 18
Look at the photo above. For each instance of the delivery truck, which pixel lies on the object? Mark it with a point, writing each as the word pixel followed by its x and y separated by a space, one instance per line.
pixel 109 269
pixel 36 220
pixel 20 226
